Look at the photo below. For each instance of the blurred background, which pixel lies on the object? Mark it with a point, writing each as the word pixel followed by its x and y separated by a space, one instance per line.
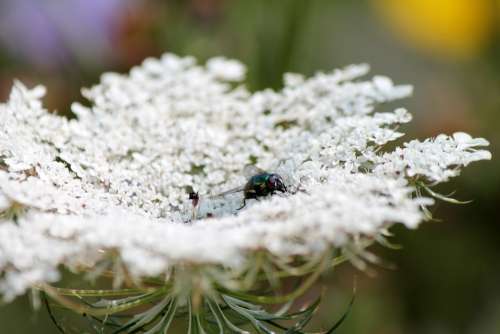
pixel 447 278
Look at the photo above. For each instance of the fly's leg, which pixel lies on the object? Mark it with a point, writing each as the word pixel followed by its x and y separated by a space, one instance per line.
pixel 244 204
pixel 250 194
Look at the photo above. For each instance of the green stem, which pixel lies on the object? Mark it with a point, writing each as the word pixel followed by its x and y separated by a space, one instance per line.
pixel 83 309
pixel 100 293
pixel 283 298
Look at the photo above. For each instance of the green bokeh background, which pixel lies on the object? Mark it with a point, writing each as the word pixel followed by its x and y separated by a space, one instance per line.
pixel 447 276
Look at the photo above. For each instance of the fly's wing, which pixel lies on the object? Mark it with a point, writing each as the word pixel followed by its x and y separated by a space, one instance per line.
pixel 228 192
pixel 248 172
pixel 251 170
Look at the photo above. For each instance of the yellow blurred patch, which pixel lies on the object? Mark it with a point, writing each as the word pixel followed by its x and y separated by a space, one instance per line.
pixel 447 28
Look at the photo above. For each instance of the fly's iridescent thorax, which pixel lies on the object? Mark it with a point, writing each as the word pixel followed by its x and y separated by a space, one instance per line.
pixel 264 184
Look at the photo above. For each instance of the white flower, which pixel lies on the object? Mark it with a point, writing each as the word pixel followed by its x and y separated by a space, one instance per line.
pixel 436 159
pixel 115 179
pixel 226 69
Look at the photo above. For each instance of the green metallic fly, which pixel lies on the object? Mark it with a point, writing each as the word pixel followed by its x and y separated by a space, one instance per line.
pixel 260 184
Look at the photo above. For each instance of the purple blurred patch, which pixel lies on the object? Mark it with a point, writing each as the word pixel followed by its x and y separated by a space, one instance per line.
pixel 54 33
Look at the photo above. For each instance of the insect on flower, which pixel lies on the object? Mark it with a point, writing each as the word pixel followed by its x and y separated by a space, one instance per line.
pixel 260 184
pixel 194 197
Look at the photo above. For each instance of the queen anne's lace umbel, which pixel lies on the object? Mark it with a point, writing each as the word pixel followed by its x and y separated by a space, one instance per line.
pixel 114 179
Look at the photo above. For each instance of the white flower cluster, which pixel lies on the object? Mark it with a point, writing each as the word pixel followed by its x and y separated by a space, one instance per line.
pixel 115 178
